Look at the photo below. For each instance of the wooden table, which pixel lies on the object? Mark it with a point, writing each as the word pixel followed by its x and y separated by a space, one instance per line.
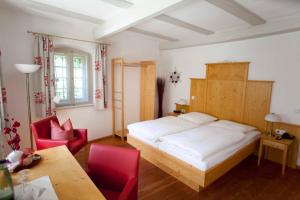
pixel 282 144
pixel 68 179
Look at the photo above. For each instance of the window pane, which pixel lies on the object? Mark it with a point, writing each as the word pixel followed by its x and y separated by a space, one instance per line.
pixel 61 76
pixel 57 60
pixel 78 73
pixel 77 62
pixel 80 78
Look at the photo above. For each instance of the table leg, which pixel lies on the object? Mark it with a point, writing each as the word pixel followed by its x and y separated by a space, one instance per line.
pixel 260 152
pixel 284 160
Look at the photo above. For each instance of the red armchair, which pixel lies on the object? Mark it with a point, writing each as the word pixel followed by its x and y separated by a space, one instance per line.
pixel 41 131
pixel 114 170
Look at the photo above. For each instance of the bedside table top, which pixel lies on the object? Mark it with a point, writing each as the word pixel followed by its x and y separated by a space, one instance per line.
pixel 282 141
pixel 173 114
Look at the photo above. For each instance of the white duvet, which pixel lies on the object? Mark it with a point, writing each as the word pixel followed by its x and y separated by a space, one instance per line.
pixel 204 141
pixel 153 129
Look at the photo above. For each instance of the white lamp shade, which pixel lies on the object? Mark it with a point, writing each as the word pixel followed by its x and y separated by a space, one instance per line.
pixel 56 99
pixel 27 68
pixel 182 102
pixel 272 117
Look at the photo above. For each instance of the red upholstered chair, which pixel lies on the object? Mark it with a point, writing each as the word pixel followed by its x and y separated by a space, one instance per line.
pixel 41 131
pixel 114 170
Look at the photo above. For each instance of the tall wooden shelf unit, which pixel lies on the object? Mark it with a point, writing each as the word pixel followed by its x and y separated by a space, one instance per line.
pixel 147 92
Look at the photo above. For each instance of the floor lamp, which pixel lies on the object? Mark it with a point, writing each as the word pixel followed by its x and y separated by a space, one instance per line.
pixel 28 69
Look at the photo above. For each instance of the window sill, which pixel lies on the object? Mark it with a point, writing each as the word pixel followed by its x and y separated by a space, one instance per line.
pixel 72 107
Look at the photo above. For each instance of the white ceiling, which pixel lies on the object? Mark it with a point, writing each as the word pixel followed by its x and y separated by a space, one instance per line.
pixel 175 23
pixel 85 7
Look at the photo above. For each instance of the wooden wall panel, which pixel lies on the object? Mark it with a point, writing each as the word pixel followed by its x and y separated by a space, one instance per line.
pixel 257 103
pixel 232 71
pixel 197 95
pixel 225 99
pixel 225 89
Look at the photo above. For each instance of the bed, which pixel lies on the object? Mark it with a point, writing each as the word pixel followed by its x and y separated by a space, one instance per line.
pixel 227 94
pixel 206 146
pixel 200 155
pixel 150 131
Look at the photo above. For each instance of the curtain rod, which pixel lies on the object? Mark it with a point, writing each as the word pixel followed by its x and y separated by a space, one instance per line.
pixel 68 38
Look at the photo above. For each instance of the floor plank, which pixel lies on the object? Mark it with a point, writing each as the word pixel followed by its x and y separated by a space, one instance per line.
pixel 244 182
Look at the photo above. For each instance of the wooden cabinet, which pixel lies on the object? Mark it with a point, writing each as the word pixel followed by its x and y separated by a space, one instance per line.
pixel 148 90
pixel 147 93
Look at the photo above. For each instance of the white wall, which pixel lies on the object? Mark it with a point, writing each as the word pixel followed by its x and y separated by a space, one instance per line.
pixel 17 45
pixel 272 58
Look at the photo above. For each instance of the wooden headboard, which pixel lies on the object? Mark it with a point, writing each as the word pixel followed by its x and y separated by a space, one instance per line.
pixel 228 94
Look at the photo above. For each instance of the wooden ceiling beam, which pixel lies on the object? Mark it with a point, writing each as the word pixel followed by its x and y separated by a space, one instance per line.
pixel 183 24
pixel 237 10
pixel 152 34
pixel 119 3
pixel 286 25
pixel 142 11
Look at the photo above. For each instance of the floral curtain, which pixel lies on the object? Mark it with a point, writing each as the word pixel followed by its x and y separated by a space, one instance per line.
pixel 101 87
pixel 43 79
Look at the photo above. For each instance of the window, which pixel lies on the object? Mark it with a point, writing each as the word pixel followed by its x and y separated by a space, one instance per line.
pixel 72 77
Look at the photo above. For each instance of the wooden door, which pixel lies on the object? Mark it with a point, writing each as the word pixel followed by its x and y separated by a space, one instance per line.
pixel 148 88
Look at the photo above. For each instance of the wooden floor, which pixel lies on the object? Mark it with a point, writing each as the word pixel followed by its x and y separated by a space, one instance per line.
pixel 245 181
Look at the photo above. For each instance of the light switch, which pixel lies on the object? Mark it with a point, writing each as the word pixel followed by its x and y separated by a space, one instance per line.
pixel 193 97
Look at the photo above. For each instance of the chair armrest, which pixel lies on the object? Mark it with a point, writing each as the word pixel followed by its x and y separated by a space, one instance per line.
pixel 129 190
pixel 81 133
pixel 47 143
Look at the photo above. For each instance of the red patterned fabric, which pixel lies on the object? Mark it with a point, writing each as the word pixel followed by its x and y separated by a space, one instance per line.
pixel 101 87
pixel 43 79
pixel 114 170
pixel 42 134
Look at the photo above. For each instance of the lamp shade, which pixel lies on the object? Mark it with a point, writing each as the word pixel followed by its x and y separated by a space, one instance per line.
pixel 182 102
pixel 56 99
pixel 272 117
pixel 27 68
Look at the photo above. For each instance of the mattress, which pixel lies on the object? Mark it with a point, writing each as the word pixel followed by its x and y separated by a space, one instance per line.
pixel 139 136
pixel 153 129
pixel 205 141
pixel 212 160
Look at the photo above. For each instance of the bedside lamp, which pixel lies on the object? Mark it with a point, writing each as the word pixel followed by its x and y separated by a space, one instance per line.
pixel 28 69
pixel 182 102
pixel 181 105
pixel 272 117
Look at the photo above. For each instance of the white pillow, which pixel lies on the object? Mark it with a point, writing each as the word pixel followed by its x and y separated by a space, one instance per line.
pixel 232 125
pixel 197 117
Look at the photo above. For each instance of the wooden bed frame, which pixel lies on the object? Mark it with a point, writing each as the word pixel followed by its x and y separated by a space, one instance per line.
pixel 186 173
pixel 227 94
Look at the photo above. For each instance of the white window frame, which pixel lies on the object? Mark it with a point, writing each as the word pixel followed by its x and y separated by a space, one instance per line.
pixel 70 54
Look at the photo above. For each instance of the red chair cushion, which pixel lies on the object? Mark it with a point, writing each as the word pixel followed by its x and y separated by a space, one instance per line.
pixel 76 145
pixel 64 132
pixel 109 194
pixel 114 169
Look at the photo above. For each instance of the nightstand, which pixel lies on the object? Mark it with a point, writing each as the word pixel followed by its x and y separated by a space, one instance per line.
pixel 173 114
pixel 269 141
